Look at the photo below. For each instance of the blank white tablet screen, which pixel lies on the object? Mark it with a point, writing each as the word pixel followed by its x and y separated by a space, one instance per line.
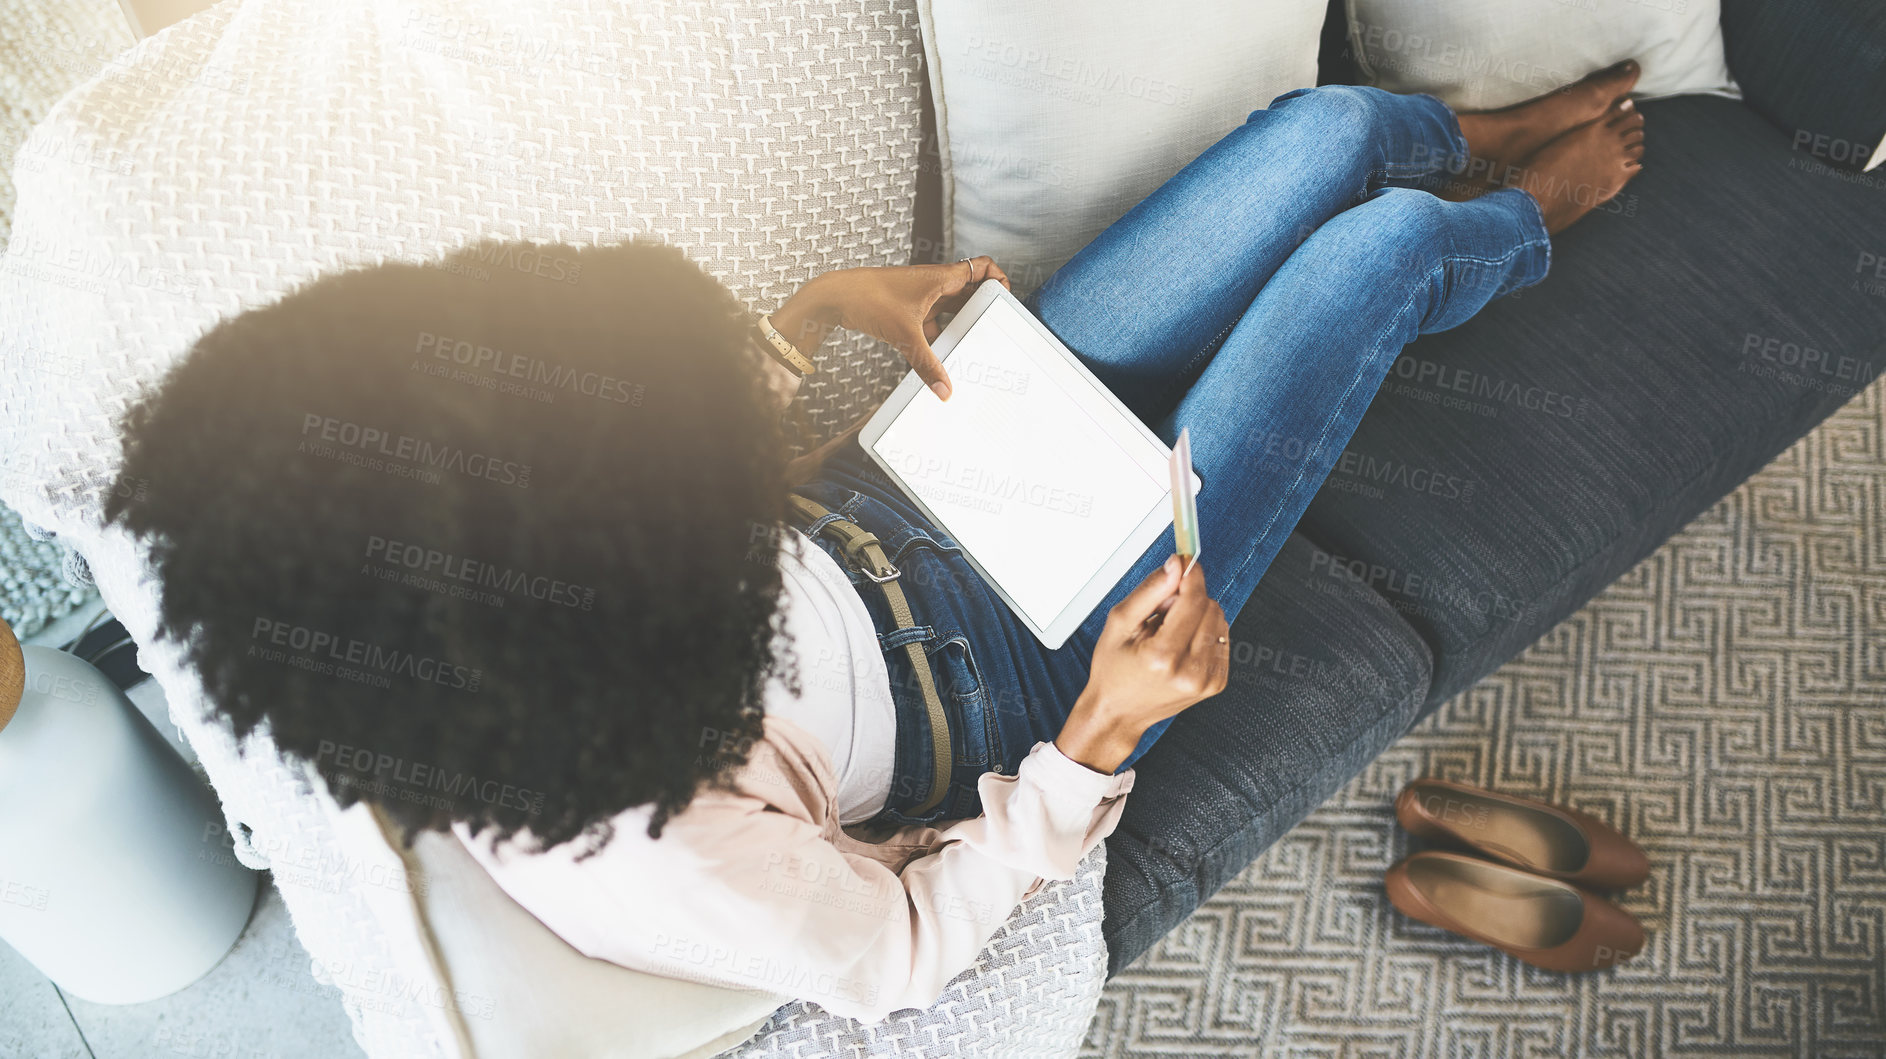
pixel 1039 490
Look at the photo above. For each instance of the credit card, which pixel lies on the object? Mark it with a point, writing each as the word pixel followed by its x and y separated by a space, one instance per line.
pixel 1184 501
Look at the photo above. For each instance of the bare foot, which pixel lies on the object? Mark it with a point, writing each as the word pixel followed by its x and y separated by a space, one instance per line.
pixel 1584 168
pixel 1499 138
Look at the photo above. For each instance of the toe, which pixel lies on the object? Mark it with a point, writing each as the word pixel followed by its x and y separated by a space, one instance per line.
pixel 1617 79
pixel 1602 89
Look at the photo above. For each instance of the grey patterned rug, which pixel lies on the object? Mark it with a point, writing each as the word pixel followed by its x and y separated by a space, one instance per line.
pixel 1724 704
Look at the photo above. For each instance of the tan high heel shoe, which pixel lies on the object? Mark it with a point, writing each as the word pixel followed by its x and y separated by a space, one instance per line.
pixel 1543 839
pixel 1548 923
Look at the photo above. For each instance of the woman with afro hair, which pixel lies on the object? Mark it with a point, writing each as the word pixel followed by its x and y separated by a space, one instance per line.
pixel 510 546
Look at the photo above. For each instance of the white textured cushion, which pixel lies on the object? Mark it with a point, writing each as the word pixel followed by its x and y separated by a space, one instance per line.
pixel 1483 54
pixel 1053 120
pixel 231 158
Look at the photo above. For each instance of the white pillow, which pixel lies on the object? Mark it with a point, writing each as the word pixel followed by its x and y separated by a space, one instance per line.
pixel 1053 121
pixel 1483 54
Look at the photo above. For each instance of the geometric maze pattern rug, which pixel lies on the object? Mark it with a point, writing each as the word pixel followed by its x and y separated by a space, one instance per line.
pixel 1724 704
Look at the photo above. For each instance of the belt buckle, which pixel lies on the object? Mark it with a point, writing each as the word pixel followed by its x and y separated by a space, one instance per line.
pixel 855 548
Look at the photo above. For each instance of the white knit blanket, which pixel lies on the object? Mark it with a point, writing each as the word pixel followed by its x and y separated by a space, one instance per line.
pixel 46 48
pixel 232 157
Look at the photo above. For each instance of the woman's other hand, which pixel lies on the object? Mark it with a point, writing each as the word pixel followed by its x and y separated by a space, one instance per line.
pixel 1143 674
pixel 898 304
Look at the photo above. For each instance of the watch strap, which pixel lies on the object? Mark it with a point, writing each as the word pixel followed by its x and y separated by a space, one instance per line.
pixel 780 348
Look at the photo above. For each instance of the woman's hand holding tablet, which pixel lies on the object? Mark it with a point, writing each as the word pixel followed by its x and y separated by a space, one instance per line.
pixel 1052 487
pixel 898 304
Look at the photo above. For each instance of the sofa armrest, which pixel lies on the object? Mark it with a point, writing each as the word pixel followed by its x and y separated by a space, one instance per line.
pixel 1817 68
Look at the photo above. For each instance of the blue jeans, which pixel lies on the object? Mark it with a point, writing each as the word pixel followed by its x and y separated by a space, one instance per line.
pixel 1258 297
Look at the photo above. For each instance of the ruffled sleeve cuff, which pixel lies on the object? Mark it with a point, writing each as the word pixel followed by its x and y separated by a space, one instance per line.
pixel 1048 815
pixel 1071 778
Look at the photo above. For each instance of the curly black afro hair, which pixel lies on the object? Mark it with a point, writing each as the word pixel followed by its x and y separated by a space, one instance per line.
pixel 481 539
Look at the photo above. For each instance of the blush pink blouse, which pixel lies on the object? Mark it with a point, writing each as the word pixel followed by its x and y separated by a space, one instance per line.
pixel 761 888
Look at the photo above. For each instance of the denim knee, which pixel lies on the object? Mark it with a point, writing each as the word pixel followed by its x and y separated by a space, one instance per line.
pixel 1399 136
pixel 1413 214
pixel 1341 108
pixel 1397 230
pixel 1343 121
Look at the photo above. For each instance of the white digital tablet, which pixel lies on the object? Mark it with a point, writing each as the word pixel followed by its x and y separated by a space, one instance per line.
pixel 1050 485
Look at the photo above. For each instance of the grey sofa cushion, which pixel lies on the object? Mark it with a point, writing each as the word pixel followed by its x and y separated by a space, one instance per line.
pixel 1817 68
pixel 1684 337
pixel 1321 682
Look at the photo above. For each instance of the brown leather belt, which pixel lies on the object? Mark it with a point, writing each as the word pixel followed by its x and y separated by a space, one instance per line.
pixel 867 553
